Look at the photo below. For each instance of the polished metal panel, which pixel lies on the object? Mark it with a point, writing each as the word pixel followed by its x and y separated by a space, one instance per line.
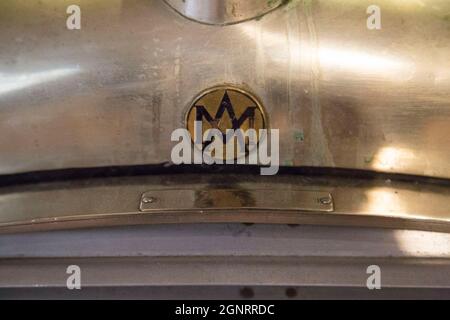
pixel 117 201
pixel 113 92
pixel 222 12
pixel 237 239
pixel 215 199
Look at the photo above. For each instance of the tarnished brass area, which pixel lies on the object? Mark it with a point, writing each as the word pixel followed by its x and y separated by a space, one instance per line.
pixel 223 108
pixel 274 199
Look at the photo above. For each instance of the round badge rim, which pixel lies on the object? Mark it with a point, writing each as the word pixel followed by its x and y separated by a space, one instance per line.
pixel 250 95
pixel 225 87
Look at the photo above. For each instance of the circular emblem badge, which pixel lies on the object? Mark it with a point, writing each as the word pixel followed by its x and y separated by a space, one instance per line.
pixel 227 108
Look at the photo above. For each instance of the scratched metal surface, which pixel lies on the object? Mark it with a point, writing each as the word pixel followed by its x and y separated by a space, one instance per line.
pixel 112 93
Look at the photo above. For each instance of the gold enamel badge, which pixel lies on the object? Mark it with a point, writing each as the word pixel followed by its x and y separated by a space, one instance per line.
pixel 226 108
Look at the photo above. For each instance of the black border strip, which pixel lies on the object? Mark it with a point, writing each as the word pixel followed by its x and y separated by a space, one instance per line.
pixel 167 168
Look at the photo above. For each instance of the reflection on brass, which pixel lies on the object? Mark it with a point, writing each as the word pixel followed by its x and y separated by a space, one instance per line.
pixel 224 108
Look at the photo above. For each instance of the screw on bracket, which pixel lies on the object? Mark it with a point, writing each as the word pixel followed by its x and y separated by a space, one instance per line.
pixel 149 200
pixel 325 200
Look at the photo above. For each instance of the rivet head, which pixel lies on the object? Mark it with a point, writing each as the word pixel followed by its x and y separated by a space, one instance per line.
pixel 325 200
pixel 149 200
